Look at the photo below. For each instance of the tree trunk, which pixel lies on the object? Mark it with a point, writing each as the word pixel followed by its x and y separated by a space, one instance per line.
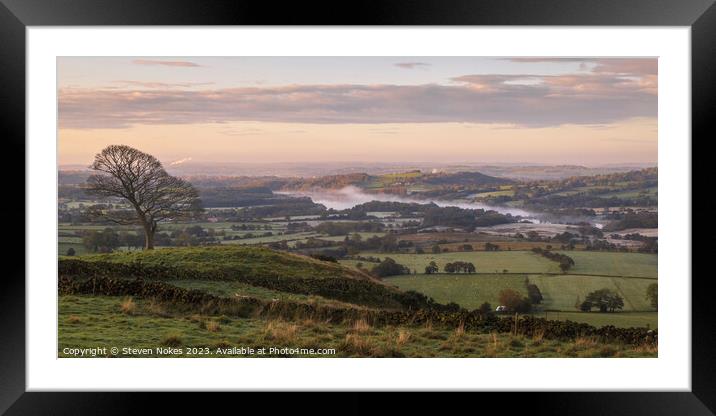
pixel 148 238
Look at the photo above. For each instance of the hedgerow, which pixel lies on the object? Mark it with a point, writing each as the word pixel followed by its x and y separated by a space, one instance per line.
pixel 245 307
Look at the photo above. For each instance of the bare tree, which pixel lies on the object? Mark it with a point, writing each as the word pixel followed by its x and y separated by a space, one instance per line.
pixel 140 179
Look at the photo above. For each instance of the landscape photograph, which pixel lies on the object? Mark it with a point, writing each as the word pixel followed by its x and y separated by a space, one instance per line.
pixel 357 207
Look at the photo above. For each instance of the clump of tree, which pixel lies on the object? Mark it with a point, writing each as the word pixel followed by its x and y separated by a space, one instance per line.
pixel 467 219
pixel 603 299
pixel 514 301
pixel 565 262
pixel 533 292
pixel 491 247
pixel 631 219
pixel 140 179
pixel 431 268
pixel 459 267
pixel 389 267
pixel 104 241
pixel 652 295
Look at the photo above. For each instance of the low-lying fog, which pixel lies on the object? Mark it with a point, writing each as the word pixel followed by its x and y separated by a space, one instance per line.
pixel 351 196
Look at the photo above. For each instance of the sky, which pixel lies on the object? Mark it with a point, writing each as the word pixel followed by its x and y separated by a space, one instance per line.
pixel 585 111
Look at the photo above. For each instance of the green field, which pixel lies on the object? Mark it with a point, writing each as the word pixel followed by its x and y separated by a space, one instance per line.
pixel 560 292
pixel 485 262
pixel 364 236
pixel 618 319
pixel 613 264
pixel 493 194
pixel 468 291
pixel 635 193
pixel 271 239
pixel 62 248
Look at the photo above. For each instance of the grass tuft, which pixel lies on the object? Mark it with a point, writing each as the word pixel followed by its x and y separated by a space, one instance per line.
pixel 280 331
pixel 403 337
pixel 361 326
pixel 172 340
pixel 354 344
pixel 213 326
pixel 128 307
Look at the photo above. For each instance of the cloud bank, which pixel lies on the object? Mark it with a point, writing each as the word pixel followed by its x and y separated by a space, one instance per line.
pixel 609 92
pixel 164 63
pixel 412 65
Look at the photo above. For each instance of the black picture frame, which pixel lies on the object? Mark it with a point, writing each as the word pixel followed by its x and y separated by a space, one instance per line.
pixel 16 15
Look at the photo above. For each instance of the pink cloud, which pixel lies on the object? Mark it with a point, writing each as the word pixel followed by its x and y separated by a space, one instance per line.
pixel 609 93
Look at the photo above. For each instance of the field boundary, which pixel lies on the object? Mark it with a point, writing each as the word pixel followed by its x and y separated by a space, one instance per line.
pixel 248 307
pixel 526 273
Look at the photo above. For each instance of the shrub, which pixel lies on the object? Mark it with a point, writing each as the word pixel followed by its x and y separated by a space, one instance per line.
pixel 485 308
pixel 514 301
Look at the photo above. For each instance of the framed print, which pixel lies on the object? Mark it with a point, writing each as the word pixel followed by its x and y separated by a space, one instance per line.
pixel 461 197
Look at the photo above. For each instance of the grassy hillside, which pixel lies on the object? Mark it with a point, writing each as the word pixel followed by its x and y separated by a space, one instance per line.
pixel 233 270
pixel 257 262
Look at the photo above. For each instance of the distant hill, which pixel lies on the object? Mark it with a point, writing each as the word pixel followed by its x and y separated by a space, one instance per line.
pixel 330 182
pixel 394 181
pixel 464 178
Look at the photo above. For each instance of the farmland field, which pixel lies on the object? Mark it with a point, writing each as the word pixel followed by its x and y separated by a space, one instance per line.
pixel 613 264
pixel 468 291
pixel 560 292
pixel 618 319
pixel 272 238
pixel 485 262
pixel 342 237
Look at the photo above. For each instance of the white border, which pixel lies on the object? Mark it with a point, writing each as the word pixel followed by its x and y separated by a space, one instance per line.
pixel 671 371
